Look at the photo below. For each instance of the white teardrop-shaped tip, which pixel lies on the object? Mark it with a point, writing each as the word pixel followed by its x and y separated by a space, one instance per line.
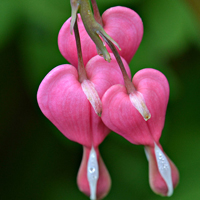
pixel 92 173
pixel 138 102
pixel 146 153
pixel 92 96
pixel 164 168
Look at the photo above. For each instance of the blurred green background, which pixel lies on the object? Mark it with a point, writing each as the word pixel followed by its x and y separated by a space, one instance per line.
pixel 36 161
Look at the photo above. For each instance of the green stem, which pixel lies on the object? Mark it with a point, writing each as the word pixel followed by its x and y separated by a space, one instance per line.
pixel 81 69
pixel 97 15
pixel 75 4
pixel 128 84
pixel 92 27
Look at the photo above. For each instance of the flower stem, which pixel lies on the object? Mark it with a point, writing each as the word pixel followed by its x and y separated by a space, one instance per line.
pixel 92 27
pixel 81 69
pixel 128 84
pixel 97 15
pixel 75 4
pixel 87 86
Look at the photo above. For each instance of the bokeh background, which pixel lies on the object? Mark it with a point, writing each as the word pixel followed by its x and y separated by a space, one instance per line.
pixel 36 161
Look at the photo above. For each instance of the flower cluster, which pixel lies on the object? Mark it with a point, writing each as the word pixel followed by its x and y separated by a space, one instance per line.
pixel 94 94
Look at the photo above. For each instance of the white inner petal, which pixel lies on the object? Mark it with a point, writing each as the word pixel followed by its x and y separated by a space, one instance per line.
pixel 146 153
pixel 164 169
pixel 92 96
pixel 92 173
pixel 138 102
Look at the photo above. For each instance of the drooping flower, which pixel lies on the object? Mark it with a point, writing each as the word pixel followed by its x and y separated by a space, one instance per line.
pixel 121 114
pixel 62 100
pixel 122 24
pixel 69 104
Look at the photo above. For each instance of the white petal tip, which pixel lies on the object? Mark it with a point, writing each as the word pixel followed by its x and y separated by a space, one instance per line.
pixel 92 96
pixel 147 116
pixel 92 173
pixel 164 169
pixel 146 153
pixel 138 102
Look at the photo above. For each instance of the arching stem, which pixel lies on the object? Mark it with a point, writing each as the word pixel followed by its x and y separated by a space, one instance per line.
pixel 91 27
pixel 128 84
pixel 87 85
pixel 81 69
pixel 97 15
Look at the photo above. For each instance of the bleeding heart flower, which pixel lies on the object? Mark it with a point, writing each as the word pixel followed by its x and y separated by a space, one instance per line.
pixel 124 114
pixel 121 116
pixel 69 104
pixel 122 24
pixel 62 99
pixel 97 172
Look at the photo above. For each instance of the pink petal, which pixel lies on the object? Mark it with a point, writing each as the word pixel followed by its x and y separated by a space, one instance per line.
pixel 122 117
pixel 62 101
pixel 103 75
pixel 104 181
pixel 122 24
pixel 67 44
pixel 125 27
pixel 155 89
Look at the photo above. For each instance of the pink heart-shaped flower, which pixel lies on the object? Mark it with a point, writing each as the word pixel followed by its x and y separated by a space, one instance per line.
pixel 122 117
pixel 122 24
pixel 62 100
